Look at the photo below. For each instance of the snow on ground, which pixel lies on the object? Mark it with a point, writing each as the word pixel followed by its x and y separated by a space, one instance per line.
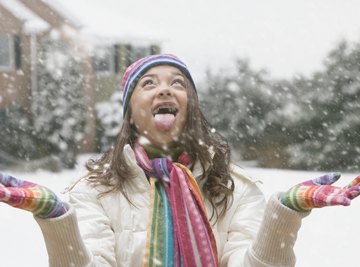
pixel 328 237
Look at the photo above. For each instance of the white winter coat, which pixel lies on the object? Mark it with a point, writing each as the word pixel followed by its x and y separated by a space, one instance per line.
pixel 109 231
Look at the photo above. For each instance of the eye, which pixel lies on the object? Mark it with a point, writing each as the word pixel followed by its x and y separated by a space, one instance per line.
pixel 179 82
pixel 147 83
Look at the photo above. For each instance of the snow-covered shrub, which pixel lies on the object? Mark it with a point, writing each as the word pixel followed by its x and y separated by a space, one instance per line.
pixel 109 116
pixel 20 145
pixel 17 134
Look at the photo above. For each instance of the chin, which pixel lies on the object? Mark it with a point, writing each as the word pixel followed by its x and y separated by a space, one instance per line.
pixel 166 143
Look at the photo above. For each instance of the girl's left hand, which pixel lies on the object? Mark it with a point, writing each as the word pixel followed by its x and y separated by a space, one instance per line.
pixel 319 192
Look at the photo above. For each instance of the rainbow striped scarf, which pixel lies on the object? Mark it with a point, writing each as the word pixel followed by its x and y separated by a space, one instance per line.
pixel 179 232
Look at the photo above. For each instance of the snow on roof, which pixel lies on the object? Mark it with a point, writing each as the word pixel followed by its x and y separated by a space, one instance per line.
pixel 32 23
pixel 119 31
pixel 63 11
pixel 103 24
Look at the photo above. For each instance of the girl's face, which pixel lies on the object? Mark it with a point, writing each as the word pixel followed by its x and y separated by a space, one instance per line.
pixel 159 105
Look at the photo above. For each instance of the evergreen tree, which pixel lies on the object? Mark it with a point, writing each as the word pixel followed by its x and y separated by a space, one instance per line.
pixel 58 102
pixel 333 129
pixel 308 123
pixel 239 106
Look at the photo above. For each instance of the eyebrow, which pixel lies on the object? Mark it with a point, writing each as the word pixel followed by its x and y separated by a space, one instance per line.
pixel 147 75
pixel 154 75
pixel 177 73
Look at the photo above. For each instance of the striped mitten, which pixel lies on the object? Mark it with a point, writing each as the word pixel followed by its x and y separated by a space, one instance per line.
pixel 319 192
pixel 25 195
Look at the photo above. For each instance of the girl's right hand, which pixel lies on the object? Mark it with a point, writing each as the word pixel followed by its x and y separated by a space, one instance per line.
pixel 39 200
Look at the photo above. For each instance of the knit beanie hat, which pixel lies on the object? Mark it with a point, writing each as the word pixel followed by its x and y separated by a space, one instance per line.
pixel 134 72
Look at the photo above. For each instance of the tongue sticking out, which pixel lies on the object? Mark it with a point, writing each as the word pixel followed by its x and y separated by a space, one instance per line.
pixel 164 121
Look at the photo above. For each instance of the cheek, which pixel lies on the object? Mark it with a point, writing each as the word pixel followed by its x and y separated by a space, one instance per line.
pixel 139 107
pixel 181 119
pixel 139 115
pixel 142 113
pixel 183 101
pixel 185 106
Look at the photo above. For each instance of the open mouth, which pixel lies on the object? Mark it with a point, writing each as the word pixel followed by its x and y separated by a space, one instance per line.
pixel 165 116
pixel 165 110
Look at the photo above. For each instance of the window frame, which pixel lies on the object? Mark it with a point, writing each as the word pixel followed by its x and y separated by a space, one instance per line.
pixel 110 50
pixel 11 51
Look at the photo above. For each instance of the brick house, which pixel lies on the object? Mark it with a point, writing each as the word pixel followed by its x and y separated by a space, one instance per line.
pixel 23 23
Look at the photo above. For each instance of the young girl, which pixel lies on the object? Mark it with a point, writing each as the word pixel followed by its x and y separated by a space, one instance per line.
pixel 167 193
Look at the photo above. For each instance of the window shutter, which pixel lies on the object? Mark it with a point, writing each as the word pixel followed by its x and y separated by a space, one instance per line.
pixel 116 59
pixel 129 57
pixel 17 49
pixel 154 49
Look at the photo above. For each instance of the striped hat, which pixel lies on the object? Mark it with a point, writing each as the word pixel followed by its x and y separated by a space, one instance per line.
pixel 134 72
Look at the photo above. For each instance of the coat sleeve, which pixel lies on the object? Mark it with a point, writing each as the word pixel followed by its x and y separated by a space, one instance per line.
pixel 80 238
pixel 275 240
pixel 259 237
pixel 243 220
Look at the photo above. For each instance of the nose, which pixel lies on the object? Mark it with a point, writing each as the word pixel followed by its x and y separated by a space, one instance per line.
pixel 164 92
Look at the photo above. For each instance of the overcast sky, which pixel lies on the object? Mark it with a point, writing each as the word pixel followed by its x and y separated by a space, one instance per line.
pixel 283 36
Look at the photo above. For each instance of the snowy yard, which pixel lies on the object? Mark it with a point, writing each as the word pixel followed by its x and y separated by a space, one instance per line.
pixel 327 237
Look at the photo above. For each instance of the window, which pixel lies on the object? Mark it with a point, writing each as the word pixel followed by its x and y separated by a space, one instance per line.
pixel 113 59
pixel 136 52
pixel 7 52
pixel 105 59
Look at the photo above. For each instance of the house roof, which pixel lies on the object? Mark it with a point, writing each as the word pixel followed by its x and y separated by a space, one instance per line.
pixel 32 23
pixel 98 23
pixel 103 24
pixel 63 11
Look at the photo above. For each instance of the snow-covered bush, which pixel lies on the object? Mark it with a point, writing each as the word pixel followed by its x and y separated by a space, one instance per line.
pixel 109 116
pixel 20 145
pixel 18 137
